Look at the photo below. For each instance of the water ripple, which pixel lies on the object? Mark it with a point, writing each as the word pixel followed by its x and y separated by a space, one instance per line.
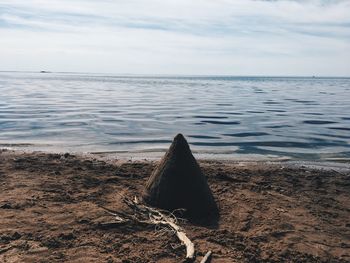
pixel 246 134
pixel 294 117
pixel 222 122
pixel 318 122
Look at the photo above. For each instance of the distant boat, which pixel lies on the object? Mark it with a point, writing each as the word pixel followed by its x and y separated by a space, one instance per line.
pixel 44 71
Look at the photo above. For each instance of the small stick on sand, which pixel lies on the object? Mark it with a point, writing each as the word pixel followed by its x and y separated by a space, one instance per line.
pixel 206 258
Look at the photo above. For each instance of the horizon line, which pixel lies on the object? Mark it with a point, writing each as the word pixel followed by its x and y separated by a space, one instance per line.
pixel 172 74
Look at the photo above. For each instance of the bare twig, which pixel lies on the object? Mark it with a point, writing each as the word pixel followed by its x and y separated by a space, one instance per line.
pixel 158 217
pixel 206 258
pixel 149 215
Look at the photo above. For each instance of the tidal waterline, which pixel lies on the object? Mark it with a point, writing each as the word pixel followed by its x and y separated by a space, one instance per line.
pixel 296 117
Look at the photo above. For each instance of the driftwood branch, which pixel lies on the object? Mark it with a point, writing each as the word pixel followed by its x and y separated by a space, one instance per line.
pixel 148 215
pixel 181 235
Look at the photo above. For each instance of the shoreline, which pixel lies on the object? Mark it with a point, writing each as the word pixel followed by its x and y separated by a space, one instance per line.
pixel 338 164
pixel 155 152
pixel 269 211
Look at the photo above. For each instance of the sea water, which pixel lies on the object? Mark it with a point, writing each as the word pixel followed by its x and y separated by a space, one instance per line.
pixel 294 117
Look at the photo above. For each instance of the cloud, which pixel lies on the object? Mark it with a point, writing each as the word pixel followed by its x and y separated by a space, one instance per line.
pixel 182 37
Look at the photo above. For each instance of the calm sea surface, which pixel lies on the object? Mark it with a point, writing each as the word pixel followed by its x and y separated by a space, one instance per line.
pixel 303 118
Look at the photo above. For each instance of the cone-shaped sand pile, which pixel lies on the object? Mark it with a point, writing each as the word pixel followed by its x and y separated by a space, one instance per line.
pixel 178 182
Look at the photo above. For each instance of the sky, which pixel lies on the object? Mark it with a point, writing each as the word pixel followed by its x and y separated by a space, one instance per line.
pixel 198 37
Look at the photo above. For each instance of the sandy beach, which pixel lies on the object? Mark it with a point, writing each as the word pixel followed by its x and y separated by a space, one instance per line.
pixel 50 212
pixel 174 131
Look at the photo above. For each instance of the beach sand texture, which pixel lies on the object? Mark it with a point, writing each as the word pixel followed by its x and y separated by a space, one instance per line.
pixel 49 210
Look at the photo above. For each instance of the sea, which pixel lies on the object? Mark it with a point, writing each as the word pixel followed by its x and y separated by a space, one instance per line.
pixel 298 118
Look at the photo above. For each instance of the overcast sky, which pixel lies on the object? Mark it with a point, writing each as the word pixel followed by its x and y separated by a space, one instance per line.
pixel 235 37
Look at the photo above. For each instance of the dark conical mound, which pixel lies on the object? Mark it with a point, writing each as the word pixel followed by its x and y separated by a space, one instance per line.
pixel 178 182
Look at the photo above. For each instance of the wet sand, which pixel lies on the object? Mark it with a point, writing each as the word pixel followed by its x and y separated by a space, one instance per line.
pixel 50 212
